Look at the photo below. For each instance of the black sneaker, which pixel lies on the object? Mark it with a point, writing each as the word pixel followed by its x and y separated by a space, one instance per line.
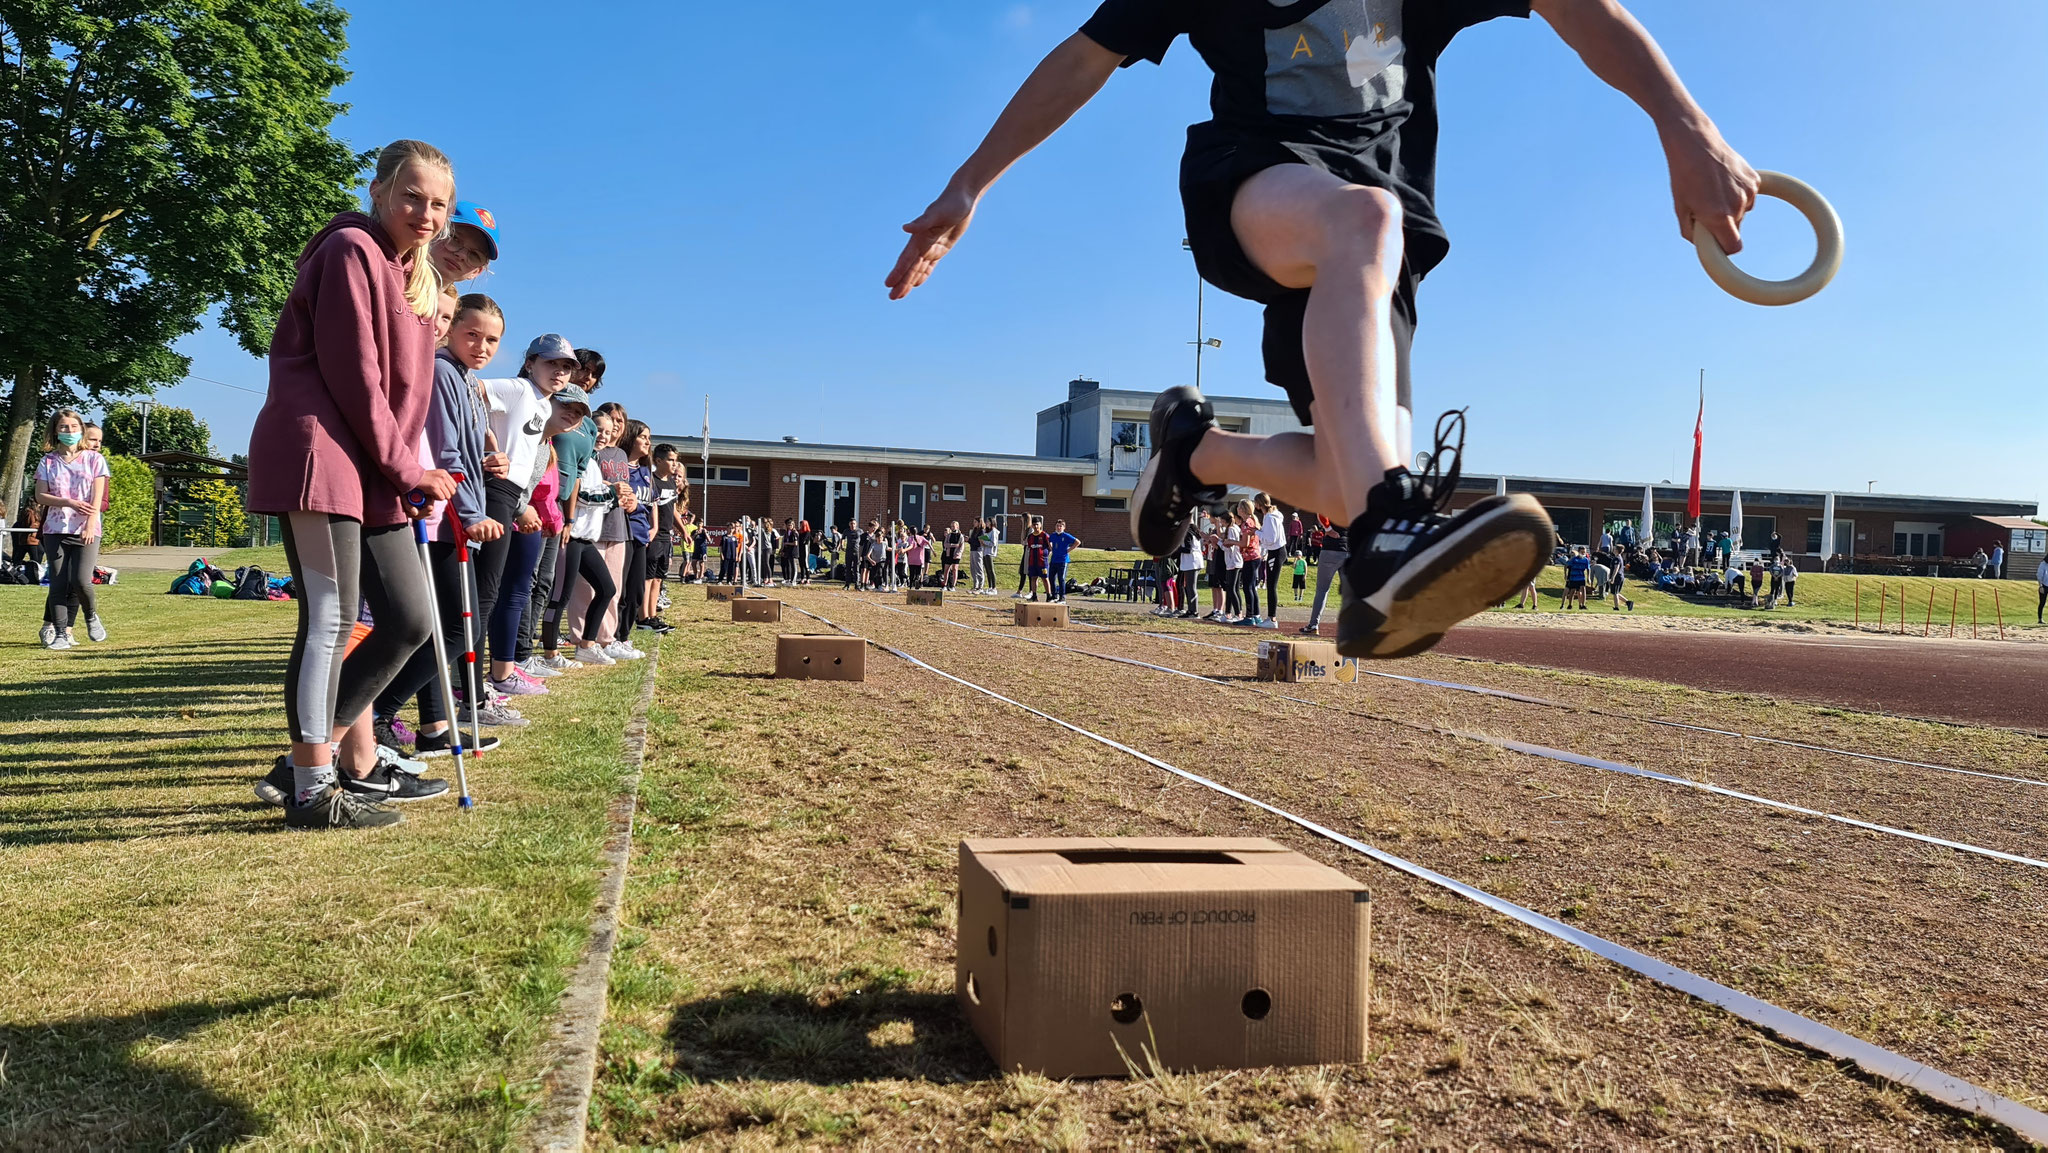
pixel 439 744
pixel 388 734
pixel 336 809
pixel 1163 507
pixel 380 785
pixel 407 785
pixel 277 784
pixel 1414 570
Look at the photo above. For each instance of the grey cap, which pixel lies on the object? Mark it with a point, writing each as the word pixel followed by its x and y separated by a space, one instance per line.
pixel 571 394
pixel 551 346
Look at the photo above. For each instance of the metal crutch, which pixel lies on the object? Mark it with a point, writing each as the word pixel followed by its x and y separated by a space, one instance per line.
pixel 419 536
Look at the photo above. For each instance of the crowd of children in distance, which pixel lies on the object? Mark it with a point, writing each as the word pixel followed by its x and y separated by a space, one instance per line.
pixel 1242 549
pixel 379 444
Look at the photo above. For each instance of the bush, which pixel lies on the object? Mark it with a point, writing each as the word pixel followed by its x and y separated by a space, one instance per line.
pixel 227 526
pixel 132 492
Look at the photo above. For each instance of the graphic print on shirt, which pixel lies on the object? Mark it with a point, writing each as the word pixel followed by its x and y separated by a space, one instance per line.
pixel 1343 59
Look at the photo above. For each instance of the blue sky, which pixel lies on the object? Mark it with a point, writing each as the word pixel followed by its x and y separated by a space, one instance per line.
pixel 711 195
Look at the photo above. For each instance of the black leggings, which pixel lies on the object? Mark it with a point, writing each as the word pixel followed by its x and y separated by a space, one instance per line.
pixel 337 564
pixel 1248 576
pixel 585 559
pixel 631 597
pixel 72 559
pixel 419 677
pixel 1233 580
pixel 1275 561
pixel 1186 586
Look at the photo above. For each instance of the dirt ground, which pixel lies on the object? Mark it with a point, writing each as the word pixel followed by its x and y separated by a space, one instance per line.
pixel 790 975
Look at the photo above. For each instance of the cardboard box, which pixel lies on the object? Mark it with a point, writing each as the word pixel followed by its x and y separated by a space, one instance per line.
pixel 1041 616
pixel 1304 660
pixel 756 609
pixel 820 657
pixel 924 597
pixel 722 592
pixel 1231 952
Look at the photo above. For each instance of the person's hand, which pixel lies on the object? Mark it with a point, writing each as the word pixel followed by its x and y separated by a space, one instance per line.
pixel 529 521
pixel 484 531
pixel 932 235
pixel 628 501
pixel 497 465
pixel 1710 183
pixel 436 484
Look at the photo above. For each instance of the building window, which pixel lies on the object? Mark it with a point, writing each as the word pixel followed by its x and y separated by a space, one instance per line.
pixel 1130 444
pixel 1916 538
pixel 1123 504
pixel 733 474
pixel 952 492
pixel 1034 496
pixel 1813 527
pixel 1756 532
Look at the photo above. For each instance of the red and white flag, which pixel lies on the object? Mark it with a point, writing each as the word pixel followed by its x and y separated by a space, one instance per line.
pixel 1699 427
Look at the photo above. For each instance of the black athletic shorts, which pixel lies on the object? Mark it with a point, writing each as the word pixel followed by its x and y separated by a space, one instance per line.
pixel 658 555
pixel 1209 180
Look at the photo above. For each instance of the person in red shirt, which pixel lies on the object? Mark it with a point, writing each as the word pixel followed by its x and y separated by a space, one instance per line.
pixel 1037 552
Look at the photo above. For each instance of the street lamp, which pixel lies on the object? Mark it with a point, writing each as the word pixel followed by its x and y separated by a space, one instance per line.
pixel 145 407
pixel 1199 341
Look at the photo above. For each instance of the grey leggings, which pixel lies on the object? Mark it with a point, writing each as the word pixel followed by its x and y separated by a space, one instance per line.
pixel 337 564
pixel 72 559
pixel 1328 562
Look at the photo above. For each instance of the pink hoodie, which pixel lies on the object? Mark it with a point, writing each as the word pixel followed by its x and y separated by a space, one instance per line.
pixel 351 372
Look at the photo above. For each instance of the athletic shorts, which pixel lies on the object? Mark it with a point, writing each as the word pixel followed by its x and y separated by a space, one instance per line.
pixel 1574 586
pixel 1209 180
pixel 657 561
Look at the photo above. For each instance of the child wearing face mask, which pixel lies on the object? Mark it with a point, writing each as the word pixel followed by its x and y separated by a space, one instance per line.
pixel 71 485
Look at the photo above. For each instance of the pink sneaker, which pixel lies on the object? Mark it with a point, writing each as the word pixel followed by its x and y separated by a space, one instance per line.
pixel 517 686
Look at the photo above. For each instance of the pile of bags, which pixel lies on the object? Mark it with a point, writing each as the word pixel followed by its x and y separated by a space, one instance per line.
pixel 248 584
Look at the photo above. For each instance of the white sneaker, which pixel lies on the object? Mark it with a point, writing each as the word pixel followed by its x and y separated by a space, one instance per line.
pixel 63 641
pixel 621 651
pixel 94 629
pixel 536 667
pixel 48 636
pixel 592 655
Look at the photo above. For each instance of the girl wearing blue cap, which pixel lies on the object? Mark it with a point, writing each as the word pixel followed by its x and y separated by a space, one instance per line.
pixel 466 249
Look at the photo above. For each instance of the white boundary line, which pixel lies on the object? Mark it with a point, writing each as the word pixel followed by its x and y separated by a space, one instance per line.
pixel 1873 1059
pixel 1561 755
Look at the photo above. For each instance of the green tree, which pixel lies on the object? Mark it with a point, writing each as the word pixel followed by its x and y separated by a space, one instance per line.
pixel 160 157
pixel 226 524
pixel 131 501
pixel 170 430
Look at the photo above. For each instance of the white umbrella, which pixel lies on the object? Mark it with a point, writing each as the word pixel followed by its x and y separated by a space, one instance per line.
pixel 1647 531
pixel 1735 521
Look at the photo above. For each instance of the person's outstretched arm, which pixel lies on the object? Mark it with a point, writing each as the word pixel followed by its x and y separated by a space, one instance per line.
pixel 1068 77
pixel 1710 182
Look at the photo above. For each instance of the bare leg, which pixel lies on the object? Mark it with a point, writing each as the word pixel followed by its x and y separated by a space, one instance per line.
pixel 1307 229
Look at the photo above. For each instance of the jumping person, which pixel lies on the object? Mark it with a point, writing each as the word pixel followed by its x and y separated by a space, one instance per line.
pixel 71 486
pixel 333 453
pixel 1312 191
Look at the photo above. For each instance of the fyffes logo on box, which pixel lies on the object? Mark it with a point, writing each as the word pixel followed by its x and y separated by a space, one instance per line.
pixel 1345 671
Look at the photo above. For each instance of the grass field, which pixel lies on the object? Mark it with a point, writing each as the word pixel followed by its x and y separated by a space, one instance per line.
pixel 787 975
pixel 185 973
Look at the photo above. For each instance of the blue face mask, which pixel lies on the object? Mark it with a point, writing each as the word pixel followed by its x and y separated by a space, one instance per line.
pixel 67 439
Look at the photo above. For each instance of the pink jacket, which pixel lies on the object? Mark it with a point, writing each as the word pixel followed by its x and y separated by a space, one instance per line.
pixel 351 373
pixel 545 503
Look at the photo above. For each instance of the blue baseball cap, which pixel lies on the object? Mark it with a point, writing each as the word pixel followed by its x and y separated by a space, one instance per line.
pixel 478 217
pixel 551 346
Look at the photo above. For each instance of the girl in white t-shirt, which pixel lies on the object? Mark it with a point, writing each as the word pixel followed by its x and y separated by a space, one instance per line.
pixel 71 485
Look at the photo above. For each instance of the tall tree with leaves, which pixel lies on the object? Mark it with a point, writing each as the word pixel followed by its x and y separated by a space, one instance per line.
pixel 157 158
pixel 171 429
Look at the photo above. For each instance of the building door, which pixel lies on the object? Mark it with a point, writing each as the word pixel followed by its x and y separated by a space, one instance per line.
pixel 995 506
pixel 910 503
pixel 831 500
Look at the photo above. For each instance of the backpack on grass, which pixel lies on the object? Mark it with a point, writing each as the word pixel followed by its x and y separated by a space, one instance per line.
pixel 251 584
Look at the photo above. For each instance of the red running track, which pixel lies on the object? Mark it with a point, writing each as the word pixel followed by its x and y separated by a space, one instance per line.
pixel 1984 683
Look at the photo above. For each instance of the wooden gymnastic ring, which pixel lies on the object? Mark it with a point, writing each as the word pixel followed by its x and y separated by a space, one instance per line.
pixel 1827 256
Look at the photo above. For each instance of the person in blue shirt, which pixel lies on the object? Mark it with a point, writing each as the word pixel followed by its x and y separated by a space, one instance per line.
pixel 1063 544
pixel 1577 568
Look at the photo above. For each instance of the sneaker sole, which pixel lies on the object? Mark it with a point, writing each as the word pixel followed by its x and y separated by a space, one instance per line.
pixel 269 793
pixel 1460 577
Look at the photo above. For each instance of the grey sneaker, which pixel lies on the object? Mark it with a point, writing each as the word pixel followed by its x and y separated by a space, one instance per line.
pixel 94 629
pixel 335 809
pixel 498 716
pixel 538 667
pixel 48 635
pixel 64 641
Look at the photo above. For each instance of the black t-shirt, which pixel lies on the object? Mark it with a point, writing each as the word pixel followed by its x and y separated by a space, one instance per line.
pixel 1345 85
pixel 953 541
pixel 664 509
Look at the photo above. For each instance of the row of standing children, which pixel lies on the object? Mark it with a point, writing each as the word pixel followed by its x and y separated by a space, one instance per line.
pixel 386 457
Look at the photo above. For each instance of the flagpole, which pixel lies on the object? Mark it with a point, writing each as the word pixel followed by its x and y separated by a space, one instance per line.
pixel 705 512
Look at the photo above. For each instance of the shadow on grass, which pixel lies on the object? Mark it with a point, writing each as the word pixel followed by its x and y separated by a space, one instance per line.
pixel 135 822
pixel 91 1083
pixel 868 1032
pixel 735 675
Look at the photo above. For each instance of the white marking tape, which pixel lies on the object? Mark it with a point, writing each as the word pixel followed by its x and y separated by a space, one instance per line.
pixel 1503 694
pixel 1872 1059
pixel 1544 751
